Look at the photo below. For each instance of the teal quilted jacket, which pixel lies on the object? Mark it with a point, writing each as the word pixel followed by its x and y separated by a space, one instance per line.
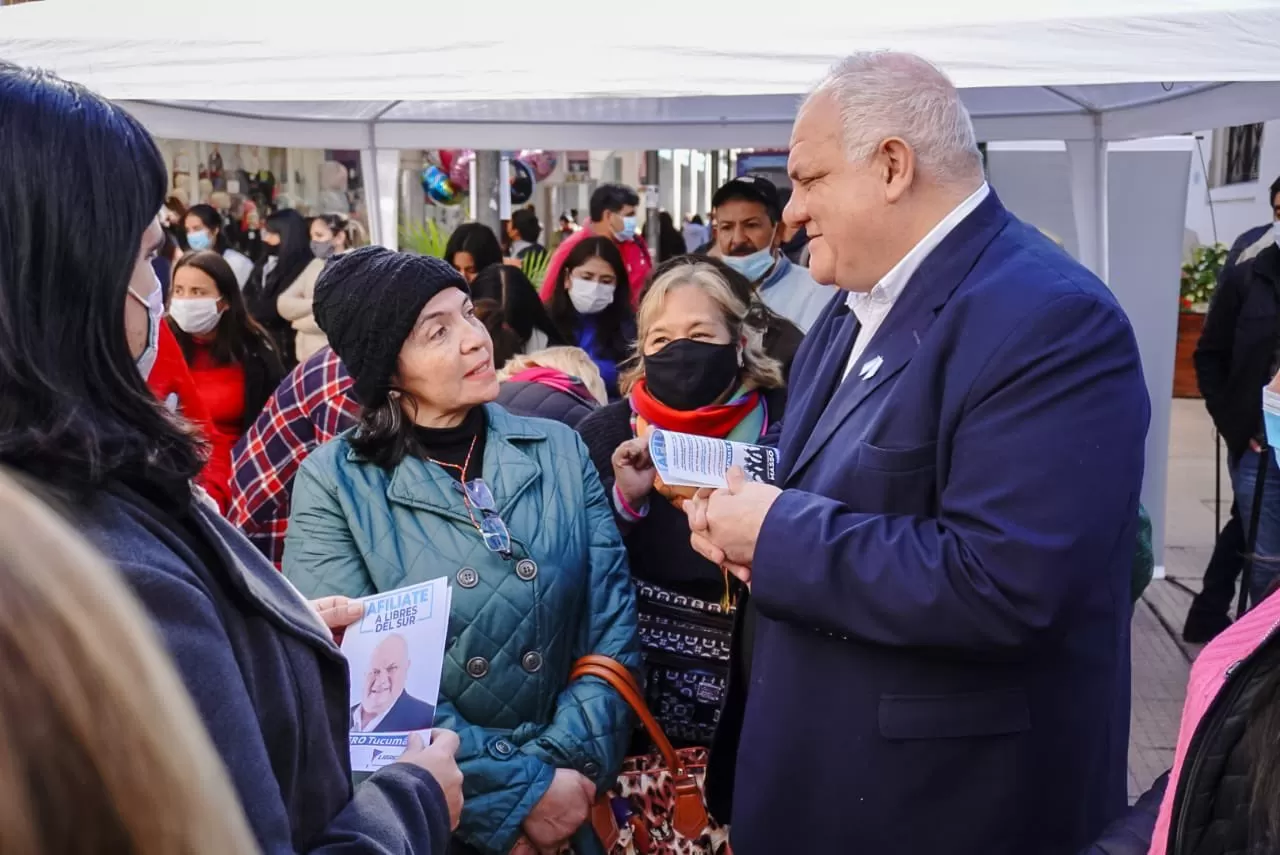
pixel 516 625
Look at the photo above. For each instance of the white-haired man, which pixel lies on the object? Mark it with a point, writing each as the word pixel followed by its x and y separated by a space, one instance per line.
pixel 939 587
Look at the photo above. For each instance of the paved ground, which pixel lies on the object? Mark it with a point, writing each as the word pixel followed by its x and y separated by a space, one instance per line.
pixel 1160 658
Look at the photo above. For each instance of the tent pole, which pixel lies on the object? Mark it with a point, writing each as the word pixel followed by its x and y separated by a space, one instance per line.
pixel 486 184
pixel 1088 161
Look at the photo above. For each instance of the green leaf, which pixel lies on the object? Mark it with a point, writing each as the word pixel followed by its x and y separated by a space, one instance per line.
pixel 534 266
pixel 424 239
pixel 1200 275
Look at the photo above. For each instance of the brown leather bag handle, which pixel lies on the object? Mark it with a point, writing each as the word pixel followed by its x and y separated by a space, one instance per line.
pixel 690 814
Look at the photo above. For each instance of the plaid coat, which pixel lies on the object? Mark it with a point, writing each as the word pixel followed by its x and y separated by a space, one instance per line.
pixel 311 407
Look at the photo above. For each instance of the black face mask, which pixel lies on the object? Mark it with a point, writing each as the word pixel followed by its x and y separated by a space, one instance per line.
pixel 688 374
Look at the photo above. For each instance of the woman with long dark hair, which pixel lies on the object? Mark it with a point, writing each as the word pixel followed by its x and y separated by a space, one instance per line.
pixel 80 316
pixel 232 359
pixel 508 304
pixel 286 243
pixel 203 225
pixel 591 306
pixel 472 248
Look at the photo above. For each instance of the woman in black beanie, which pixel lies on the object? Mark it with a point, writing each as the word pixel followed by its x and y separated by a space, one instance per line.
pixel 436 479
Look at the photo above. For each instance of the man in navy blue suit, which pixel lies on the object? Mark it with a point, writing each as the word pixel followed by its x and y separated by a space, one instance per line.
pixel 386 707
pixel 939 585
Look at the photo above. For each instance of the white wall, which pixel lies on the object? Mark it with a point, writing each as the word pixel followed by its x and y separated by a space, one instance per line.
pixel 1146 207
pixel 1237 207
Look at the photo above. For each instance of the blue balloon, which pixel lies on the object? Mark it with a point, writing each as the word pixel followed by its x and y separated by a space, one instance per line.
pixel 438 187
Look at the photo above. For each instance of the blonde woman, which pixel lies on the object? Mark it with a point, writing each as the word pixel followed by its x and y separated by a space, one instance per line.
pixel 700 368
pixel 559 383
pixel 101 750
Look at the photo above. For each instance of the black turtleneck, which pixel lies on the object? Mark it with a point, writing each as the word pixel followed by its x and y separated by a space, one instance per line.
pixel 451 445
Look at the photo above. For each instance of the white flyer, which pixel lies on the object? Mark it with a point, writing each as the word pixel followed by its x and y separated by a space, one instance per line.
pixel 396 655
pixel 685 460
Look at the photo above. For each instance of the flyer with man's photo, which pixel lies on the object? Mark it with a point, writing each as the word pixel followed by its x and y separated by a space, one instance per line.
pixel 396 655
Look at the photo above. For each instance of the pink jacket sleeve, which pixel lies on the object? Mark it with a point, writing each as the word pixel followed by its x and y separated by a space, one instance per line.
pixel 557 261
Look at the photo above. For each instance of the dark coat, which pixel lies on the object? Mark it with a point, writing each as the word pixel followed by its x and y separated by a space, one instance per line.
pixel 941 661
pixel 268 681
pixel 1237 347
pixel 1212 805
pixel 545 402
pixel 407 713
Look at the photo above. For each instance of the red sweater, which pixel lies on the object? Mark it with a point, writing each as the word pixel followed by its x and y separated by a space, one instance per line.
pixel 173 384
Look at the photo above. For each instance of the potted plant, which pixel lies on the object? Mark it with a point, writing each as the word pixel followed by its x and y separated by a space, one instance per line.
pixel 424 239
pixel 1199 279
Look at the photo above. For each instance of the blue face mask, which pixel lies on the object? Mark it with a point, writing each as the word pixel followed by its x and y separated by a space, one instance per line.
pixel 753 266
pixel 198 241
pixel 1271 419
pixel 628 229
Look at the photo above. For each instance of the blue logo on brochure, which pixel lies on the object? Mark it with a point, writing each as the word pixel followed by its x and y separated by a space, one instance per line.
pixel 658 448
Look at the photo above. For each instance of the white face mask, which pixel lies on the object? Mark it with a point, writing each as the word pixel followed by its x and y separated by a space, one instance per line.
pixel 590 298
pixel 155 316
pixel 196 316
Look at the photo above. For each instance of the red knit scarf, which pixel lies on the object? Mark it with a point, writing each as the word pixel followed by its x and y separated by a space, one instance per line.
pixel 714 421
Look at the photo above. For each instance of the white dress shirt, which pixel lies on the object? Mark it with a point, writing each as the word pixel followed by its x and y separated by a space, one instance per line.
pixel 872 307
pixel 358 727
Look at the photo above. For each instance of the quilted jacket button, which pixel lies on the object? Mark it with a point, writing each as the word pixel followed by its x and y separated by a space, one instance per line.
pixel 468 577
pixel 527 569
pixel 531 661
pixel 591 768
pixel 503 747
pixel 477 666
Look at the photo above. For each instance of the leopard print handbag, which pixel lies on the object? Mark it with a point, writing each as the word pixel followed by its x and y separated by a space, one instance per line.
pixel 657 806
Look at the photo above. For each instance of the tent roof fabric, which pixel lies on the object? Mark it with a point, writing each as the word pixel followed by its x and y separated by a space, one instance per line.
pixel 1068 69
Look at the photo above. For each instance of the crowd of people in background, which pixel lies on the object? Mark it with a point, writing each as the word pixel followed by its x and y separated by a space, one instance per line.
pixel 356 419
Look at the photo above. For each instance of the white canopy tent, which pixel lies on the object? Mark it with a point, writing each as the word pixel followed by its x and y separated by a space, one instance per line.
pixel 310 73
pixel 381 75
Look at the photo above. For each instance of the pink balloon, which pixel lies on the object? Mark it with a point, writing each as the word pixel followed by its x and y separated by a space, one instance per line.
pixel 446 157
pixel 543 163
pixel 460 170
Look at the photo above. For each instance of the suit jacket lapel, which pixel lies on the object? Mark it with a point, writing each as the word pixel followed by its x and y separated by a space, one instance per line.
pixel 803 411
pixel 898 338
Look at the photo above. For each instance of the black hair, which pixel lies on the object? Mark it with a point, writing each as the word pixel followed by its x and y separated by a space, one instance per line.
pixel 611 198
pixel 212 220
pixel 670 241
pixel 1275 191
pixel 478 241
pixel 239 337
pixel 614 341
pixel 732 191
pixel 295 249
pixel 526 224
pixel 696 219
pixel 508 304
pixel 82 183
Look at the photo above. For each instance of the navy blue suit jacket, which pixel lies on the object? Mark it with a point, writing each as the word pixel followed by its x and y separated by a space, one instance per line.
pixel 941 655
pixel 407 713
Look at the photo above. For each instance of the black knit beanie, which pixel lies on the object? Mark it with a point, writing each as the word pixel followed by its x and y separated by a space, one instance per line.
pixel 367 302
